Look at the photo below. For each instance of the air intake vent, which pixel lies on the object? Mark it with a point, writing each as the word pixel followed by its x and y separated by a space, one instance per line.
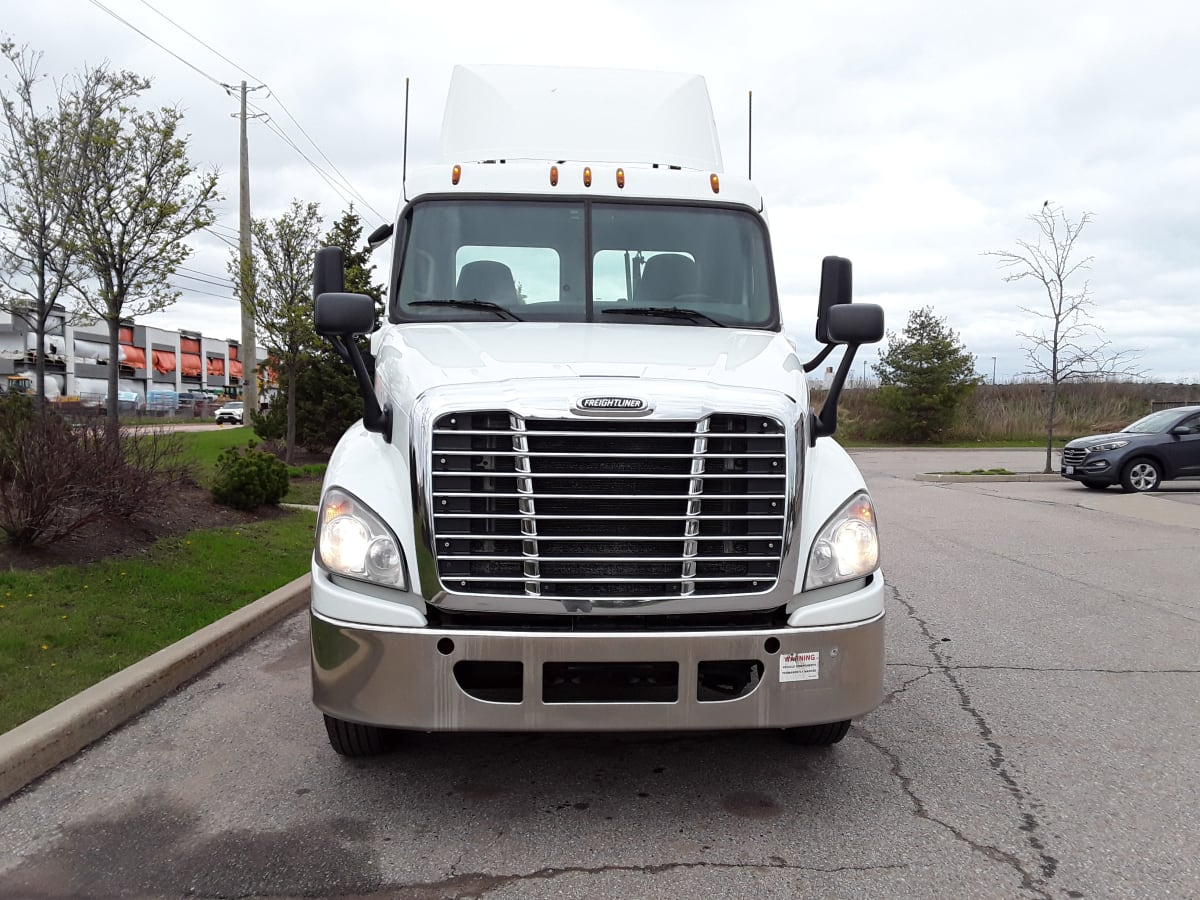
pixel 612 510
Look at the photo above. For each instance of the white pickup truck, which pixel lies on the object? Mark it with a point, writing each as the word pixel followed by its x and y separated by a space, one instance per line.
pixel 588 491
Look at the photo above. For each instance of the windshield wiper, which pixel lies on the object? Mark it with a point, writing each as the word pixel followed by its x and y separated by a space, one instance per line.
pixel 666 312
pixel 501 311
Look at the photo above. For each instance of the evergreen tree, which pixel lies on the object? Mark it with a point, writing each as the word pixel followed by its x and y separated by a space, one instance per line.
pixel 327 398
pixel 924 375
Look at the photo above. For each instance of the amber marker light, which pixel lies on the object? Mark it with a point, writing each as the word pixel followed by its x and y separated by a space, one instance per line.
pixel 587 176
pixel 620 178
pixel 715 182
pixel 456 173
pixel 554 176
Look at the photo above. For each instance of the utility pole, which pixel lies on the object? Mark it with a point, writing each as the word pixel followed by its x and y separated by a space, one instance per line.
pixel 993 370
pixel 247 352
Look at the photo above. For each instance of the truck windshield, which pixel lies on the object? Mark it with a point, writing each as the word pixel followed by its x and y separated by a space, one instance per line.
pixel 584 261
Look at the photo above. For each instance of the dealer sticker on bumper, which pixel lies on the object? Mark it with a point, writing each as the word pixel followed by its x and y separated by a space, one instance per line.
pixel 799 666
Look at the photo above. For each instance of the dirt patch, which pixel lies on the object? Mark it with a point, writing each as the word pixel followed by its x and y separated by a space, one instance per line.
pixel 190 508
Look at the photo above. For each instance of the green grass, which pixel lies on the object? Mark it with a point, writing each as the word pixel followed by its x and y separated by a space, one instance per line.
pixel 203 448
pixel 978 472
pixel 66 628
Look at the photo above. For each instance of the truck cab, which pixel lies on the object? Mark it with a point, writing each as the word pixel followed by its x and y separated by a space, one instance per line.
pixel 588 491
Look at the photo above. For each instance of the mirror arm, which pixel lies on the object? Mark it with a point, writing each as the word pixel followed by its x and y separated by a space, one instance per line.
pixel 818 359
pixel 824 424
pixel 374 418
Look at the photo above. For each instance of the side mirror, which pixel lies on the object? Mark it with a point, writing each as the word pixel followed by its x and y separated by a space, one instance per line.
pixel 836 290
pixel 858 323
pixel 329 271
pixel 338 314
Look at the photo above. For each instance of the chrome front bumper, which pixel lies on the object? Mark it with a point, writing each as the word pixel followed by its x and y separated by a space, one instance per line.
pixel 410 678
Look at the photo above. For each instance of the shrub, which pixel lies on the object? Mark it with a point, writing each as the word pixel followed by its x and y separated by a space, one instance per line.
pixel 56 477
pixel 247 478
pixel 272 424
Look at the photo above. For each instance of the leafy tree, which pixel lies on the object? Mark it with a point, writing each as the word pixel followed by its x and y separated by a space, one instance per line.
pixel 924 375
pixel 41 174
pixel 1066 345
pixel 284 249
pixel 141 200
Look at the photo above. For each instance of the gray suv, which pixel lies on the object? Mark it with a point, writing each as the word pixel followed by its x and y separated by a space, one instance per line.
pixel 1159 447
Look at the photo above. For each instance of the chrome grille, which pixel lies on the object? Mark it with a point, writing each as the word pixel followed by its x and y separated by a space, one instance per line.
pixel 1073 456
pixel 608 509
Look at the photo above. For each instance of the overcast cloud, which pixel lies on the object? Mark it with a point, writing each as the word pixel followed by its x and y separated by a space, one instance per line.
pixel 909 137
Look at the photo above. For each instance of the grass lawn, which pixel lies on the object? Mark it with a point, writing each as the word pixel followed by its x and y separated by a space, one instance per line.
pixel 203 447
pixel 64 629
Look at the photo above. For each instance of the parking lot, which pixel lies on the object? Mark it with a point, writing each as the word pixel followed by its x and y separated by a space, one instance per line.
pixel 1040 738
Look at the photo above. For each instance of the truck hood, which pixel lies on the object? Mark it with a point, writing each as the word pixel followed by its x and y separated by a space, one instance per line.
pixel 413 358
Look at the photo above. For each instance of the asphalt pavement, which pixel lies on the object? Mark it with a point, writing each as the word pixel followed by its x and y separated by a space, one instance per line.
pixel 1040 738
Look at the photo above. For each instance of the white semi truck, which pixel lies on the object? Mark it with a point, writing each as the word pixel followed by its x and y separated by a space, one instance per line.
pixel 588 491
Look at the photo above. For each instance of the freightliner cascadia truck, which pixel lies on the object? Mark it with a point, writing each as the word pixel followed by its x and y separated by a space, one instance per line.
pixel 588 491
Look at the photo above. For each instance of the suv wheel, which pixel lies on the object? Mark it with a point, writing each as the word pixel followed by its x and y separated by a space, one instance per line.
pixel 1141 475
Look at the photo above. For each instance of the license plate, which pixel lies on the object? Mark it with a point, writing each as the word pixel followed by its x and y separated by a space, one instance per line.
pixel 1068 470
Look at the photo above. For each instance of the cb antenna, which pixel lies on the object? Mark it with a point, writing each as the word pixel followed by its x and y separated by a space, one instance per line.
pixel 404 157
pixel 750 136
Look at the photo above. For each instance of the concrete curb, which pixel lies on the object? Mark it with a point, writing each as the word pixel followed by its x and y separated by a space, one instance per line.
pixel 1028 476
pixel 35 747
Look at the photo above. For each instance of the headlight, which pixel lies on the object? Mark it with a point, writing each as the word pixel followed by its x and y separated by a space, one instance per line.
pixel 1111 445
pixel 847 547
pixel 353 541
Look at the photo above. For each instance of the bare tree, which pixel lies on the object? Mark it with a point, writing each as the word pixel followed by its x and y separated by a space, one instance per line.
pixel 144 198
pixel 40 175
pixel 281 282
pixel 1066 345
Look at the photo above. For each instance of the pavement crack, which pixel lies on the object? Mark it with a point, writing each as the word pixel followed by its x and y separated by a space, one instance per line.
pixel 1025 802
pixel 1082 670
pixel 1028 882
pixel 475 885
pixel 891 697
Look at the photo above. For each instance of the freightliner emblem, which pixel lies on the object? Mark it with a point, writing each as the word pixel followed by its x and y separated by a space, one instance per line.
pixel 598 405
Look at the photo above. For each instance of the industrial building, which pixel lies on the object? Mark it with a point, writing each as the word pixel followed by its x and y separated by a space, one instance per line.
pixel 153 362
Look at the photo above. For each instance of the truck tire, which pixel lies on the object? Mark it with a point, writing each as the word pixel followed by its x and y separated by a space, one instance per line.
pixel 1141 475
pixel 817 735
pixel 352 739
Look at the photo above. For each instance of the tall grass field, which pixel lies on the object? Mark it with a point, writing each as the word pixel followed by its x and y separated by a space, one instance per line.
pixel 1016 413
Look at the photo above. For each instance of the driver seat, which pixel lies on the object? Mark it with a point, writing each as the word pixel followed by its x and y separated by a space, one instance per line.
pixel 486 279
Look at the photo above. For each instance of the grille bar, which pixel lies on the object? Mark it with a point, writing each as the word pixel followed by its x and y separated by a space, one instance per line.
pixel 608 509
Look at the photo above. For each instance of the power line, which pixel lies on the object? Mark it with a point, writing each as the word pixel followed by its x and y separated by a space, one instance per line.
pixel 220 278
pixel 274 96
pixel 221 237
pixel 287 140
pixel 345 180
pixel 203 280
pixel 101 6
pixel 191 290
pixel 200 42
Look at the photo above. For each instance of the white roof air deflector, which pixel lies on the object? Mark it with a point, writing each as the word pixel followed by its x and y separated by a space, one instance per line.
pixel 593 115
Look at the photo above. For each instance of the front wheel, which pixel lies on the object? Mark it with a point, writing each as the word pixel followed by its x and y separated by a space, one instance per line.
pixel 1141 475
pixel 352 739
pixel 817 735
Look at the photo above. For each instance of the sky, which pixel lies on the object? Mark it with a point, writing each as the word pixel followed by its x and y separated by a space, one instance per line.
pixel 911 137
